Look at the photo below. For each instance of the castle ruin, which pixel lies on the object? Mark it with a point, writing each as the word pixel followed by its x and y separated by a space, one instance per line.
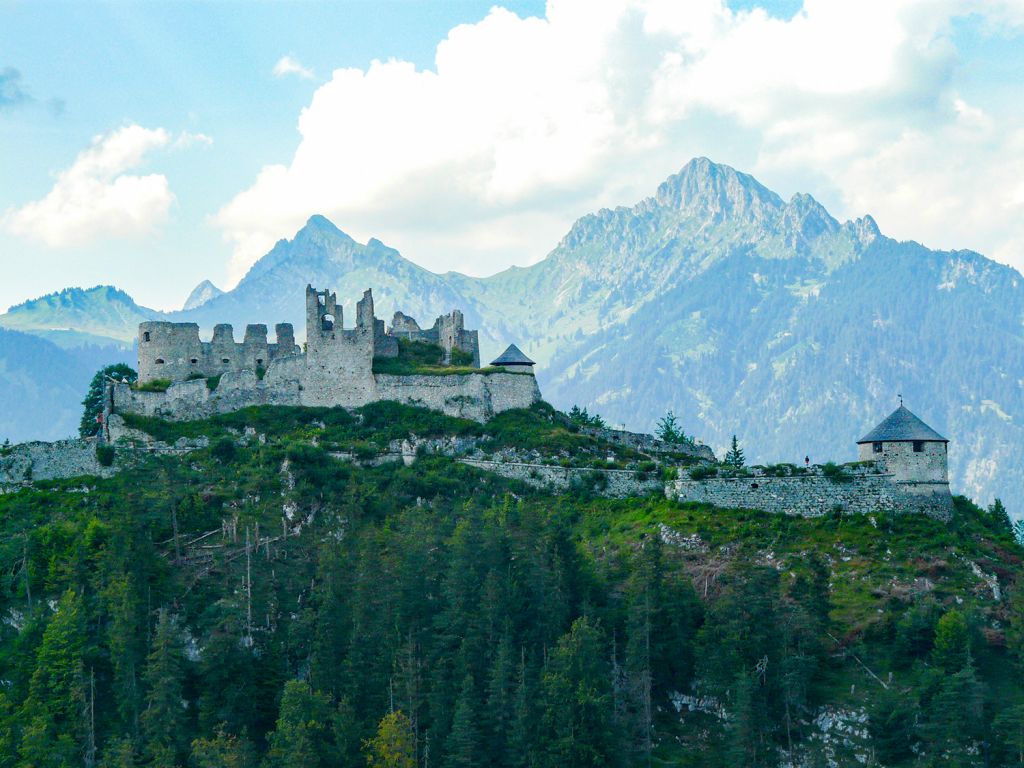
pixel 182 377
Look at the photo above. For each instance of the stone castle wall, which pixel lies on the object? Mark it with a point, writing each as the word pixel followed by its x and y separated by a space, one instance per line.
pixel 613 483
pixel 813 495
pixel 27 462
pixel 474 396
pixel 174 350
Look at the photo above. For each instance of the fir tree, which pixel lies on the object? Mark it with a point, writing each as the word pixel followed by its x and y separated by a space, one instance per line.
pixel 163 721
pixel 56 726
pixel 734 457
pixel 669 429
pixel 463 740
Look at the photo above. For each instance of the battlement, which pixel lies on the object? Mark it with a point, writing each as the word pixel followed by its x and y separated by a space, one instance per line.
pixel 174 351
pixel 336 367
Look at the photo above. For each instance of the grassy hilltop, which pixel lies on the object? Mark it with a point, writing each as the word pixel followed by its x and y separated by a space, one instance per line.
pixel 263 602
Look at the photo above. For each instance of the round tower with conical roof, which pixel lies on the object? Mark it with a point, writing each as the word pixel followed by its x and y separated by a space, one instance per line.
pixel 908 449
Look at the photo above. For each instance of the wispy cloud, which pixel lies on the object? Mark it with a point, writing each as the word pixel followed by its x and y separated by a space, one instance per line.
pixel 97 196
pixel 12 94
pixel 288 65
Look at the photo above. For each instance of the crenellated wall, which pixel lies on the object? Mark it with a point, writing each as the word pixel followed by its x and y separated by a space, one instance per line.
pixel 174 351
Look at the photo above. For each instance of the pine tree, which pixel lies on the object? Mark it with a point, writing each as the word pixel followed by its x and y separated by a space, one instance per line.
pixel 579 717
pixel 1000 517
pixel 1008 726
pixel 951 651
pixel 120 753
pixel 392 747
pixel 163 721
pixel 92 405
pixel 669 430
pixel 500 709
pixel 735 457
pixel 302 737
pixel 463 740
pixel 54 713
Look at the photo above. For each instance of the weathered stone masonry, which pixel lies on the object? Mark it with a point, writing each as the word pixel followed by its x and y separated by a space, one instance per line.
pixel 813 495
pixel 336 368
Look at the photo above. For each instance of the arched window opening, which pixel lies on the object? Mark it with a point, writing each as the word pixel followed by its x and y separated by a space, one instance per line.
pixel 225 360
pixel 259 361
pixel 327 322
pixel 145 335
pixel 194 360
pixel 159 361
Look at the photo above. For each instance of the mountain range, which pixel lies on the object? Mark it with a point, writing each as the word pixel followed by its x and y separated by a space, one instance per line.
pixel 741 312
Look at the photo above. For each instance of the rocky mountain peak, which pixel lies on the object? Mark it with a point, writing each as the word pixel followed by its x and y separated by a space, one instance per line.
pixel 201 294
pixel 711 190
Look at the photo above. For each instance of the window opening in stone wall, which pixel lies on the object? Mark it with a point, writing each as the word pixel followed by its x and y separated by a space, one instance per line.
pixel 327 322
pixel 918 446
pixel 159 361
pixel 145 335
pixel 225 360
pixel 194 360
pixel 876 447
pixel 259 361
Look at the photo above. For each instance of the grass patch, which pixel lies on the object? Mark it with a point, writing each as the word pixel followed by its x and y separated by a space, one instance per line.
pixel 155 385
pixel 421 358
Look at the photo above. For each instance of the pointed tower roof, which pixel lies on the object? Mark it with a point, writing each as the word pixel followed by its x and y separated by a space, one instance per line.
pixel 902 426
pixel 512 356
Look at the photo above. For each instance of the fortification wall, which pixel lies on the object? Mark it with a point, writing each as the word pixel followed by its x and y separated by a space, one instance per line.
pixel 613 483
pixel 474 396
pixel 339 369
pixel 174 350
pixel 814 495
pixel 290 382
pixel 48 461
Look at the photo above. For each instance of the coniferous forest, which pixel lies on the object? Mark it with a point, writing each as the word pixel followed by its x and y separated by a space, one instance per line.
pixel 262 603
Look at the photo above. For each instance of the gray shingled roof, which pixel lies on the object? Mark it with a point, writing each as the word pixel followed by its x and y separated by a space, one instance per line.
pixel 901 425
pixel 512 356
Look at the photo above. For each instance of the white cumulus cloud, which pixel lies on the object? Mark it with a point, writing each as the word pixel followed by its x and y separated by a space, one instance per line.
pixel 288 65
pixel 524 124
pixel 97 196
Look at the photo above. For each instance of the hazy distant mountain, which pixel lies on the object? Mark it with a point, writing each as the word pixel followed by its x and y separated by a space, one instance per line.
pixel 74 317
pixel 201 294
pixel 42 385
pixel 742 312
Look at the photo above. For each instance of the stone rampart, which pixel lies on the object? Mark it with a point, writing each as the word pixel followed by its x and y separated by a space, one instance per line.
pixel 476 396
pixel 812 495
pixel 613 483
pixel 26 462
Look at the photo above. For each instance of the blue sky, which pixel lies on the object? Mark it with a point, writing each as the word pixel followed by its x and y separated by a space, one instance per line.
pixel 152 145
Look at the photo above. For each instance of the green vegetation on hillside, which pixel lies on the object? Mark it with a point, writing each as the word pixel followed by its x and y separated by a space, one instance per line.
pixel 260 603
pixel 420 358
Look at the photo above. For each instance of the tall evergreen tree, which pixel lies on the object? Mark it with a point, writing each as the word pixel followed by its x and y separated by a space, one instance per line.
pixel 734 457
pixel 579 717
pixel 55 712
pixel 303 737
pixel 163 721
pixel 463 747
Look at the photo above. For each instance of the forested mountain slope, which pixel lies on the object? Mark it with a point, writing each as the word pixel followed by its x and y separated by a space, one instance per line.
pixel 262 603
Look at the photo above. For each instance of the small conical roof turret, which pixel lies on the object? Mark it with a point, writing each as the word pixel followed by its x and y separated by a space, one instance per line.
pixel 512 356
pixel 902 426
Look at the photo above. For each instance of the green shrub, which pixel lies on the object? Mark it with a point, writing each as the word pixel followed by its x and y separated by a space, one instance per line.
pixel 224 450
pixel 156 385
pixel 461 357
pixel 212 382
pixel 835 473
pixel 260 372
pixel 105 454
pixel 703 472
pixel 195 376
